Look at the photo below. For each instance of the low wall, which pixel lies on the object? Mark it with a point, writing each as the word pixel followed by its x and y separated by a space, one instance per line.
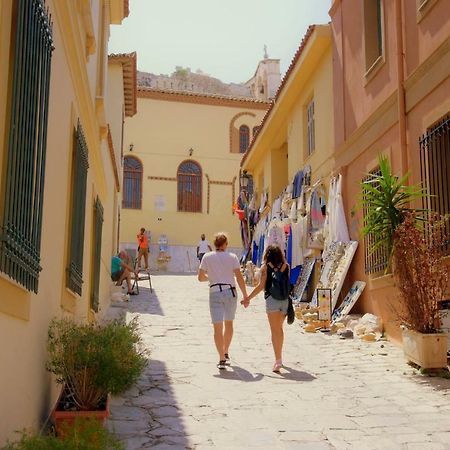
pixel 183 259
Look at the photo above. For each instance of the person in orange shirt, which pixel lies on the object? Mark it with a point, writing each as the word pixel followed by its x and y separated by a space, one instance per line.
pixel 143 247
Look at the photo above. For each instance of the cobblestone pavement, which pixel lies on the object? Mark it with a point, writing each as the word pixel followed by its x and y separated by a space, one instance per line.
pixel 332 394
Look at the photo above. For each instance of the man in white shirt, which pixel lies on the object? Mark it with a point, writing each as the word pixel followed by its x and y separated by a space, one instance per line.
pixel 203 247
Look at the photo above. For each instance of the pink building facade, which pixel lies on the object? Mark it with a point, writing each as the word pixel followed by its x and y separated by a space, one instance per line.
pixel 391 75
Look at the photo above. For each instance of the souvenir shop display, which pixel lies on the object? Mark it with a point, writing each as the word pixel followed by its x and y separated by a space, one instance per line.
pixel 349 301
pixel 335 268
pixel 305 274
pixel 324 305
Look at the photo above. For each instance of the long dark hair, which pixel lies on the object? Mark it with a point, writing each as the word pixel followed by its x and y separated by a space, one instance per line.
pixel 274 255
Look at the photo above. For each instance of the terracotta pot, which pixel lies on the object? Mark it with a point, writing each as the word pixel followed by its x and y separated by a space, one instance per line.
pixel 429 351
pixel 63 419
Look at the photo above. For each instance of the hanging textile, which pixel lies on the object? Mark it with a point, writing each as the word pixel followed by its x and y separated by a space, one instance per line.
pixel 297 184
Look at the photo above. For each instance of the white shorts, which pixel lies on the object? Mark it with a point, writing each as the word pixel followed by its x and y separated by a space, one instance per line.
pixel 222 305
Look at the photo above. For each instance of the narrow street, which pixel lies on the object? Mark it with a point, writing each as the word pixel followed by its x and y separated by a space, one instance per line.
pixel 332 394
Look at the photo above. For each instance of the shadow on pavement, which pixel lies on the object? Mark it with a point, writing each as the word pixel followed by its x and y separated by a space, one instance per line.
pixel 152 417
pixel 296 375
pixel 146 302
pixel 436 382
pixel 240 374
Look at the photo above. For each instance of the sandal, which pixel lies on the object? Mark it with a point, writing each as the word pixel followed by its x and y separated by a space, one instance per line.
pixel 222 364
pixel 277 366
pixel 132 293
pixel 227 359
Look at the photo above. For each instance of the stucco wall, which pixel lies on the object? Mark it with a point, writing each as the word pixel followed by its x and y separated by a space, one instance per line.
pixel 27 391
pixel 162 132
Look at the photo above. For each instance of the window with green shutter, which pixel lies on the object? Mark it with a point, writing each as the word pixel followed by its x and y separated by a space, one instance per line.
pixel 97 253
pixel 21 215
pixel 78 210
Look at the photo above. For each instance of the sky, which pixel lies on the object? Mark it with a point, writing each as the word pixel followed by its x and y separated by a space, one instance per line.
pixel 223 38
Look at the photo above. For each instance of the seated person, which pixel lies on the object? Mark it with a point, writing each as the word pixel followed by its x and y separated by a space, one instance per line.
pixel 121 270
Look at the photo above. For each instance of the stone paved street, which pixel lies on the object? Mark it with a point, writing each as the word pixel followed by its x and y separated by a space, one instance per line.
pixel 332 394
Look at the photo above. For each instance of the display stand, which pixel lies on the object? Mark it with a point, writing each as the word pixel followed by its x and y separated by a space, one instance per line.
pixel 302 282
pixel 337 260
pixel 349 301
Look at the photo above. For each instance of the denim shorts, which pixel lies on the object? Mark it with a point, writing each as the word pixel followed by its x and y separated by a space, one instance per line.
pixel 222 305
pixel 274 305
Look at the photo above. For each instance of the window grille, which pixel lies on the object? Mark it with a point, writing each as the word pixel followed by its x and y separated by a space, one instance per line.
pixel 189 182
pixel 435 169
pixel 132 183
pixel 98 226
pixel 21 223
pixel 244 138
pixel 80 167
pixel 375 262
pixel 311 143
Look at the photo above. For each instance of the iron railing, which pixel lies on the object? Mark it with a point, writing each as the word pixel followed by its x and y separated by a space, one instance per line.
pixel 435 170
pixel 80 167
pixel 98 226
pixel 21 224
pixel 375 261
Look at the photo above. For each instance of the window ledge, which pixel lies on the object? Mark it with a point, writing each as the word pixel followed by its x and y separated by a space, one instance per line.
pixel 374 69
pixel 424 8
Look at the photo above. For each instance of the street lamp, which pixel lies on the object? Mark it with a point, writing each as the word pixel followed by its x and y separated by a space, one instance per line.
pixel 244 180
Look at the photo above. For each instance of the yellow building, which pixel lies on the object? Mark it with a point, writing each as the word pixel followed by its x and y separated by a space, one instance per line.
pixel 298 129
pixel 61 113
pixel 181 167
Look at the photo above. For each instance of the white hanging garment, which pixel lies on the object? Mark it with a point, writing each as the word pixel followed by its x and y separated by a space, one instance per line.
pixel 340 232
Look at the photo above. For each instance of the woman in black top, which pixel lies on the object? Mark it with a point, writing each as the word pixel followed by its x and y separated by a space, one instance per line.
pixel 276 310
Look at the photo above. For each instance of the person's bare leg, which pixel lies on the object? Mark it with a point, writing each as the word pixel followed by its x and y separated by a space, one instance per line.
pixel 276 320
pixel 126 275
pixel 218 339
pixel 227 335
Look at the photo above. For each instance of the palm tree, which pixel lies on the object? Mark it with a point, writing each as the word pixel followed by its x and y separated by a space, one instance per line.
pixel 386 199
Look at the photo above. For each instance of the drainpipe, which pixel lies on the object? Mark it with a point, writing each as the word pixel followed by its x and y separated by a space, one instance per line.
pixel 400 86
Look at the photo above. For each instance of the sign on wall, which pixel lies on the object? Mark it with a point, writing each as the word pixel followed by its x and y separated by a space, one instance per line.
pixel 160 203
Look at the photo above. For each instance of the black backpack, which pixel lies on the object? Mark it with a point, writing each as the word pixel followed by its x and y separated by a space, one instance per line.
pixel 279 288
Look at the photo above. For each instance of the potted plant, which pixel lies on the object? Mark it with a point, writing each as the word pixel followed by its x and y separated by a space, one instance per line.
pixel 421 276
pixel 83 434
pixel 413 256
pixel 92 361
pixel 385 200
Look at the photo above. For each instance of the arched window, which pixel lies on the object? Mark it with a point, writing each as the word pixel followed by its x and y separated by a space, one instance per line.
pixel 132 183
pixel 189 181
pixel 244 138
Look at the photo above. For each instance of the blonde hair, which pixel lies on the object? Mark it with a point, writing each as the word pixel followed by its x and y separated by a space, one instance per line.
pixel 220 239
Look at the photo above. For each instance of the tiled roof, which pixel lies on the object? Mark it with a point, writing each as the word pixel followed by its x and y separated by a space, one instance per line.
pixel 195 97
pixel 129 65
pixel 291 67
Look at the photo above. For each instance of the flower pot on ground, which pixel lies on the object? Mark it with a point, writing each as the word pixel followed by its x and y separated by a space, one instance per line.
pixel 416 254
pixel 429 351
pixel 92 361
pixel 421 276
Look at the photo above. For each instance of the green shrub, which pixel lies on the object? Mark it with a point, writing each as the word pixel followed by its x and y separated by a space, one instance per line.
pixel 92 360
pixel 84 434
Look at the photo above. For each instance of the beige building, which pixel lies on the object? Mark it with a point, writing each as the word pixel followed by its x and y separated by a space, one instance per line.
pixel 298 129
pixel 181 170
pixel 61 114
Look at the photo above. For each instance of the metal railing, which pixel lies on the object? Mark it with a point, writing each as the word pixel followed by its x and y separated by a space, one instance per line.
pixel 435 170
pixel 78 212
pixel 375 262
pixel 21 225
pixel 98 227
